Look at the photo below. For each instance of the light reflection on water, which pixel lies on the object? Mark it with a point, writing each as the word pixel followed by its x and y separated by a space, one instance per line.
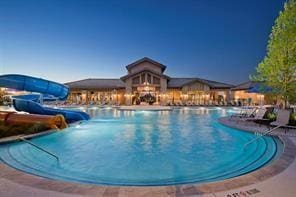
pixel 144 148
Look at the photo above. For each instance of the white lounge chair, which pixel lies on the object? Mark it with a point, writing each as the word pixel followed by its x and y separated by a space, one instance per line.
pixel 258 116
pixel 247 113
pixel 282 120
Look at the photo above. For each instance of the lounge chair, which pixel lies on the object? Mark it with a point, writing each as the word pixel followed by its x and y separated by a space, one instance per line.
pixel 259 116
pixel 282 120
pixel 247 113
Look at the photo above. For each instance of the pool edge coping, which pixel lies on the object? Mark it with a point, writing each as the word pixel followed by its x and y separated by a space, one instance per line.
pixel 266 172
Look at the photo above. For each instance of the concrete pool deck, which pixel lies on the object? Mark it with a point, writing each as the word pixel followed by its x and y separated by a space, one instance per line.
pixel 276 179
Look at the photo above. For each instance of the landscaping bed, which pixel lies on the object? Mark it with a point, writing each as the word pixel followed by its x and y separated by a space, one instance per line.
pixel 7 130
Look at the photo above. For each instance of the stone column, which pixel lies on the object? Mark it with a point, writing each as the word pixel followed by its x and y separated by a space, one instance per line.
pixel 229 95
pixel 163 90
pixel 128 92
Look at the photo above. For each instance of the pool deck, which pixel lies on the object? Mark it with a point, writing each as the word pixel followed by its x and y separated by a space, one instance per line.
pixel 276 179
pixel 145 108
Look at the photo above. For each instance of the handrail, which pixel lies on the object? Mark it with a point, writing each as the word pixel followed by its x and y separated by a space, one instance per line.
pixel 260 136
pixel 38 147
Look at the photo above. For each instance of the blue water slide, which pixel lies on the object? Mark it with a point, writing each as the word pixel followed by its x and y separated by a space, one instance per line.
pixel 49 90
pixel 36 97
pixel 33 84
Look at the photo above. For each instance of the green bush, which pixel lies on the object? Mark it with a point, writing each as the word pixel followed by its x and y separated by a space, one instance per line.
pixel 11 130
pixel 35 128
pixel 271 116
pixel 293 119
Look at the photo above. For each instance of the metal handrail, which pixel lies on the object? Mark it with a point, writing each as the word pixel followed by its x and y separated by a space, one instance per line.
pixel 260 136
pixel 38 147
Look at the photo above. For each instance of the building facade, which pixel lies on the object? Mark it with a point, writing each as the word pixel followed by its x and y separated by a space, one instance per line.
pixel 146 82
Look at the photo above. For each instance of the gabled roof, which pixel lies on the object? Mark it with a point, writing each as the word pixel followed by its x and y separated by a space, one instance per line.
pixel 244 86
pixel 145 70
pixel 146 59
pixel 180 82
pixel 96 84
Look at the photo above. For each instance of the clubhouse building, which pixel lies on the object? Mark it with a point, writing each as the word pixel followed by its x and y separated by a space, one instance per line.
pixel 146 82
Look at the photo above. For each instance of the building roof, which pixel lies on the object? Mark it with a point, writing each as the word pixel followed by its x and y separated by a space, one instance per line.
pixel 96 84
pixel 244 86
pixel 216 84
pixel 146 59
pixel 145 70
pixel 108 84
pixel 180 82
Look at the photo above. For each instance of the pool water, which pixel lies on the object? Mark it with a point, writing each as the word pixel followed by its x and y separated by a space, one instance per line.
pixel 144 148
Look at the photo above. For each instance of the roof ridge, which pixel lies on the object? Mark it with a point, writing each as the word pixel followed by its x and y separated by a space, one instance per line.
pixel 163 67
pixel 93 79
pixel 184 78
pixel 76 81
pixel 104 78
pixel 217 81
pixel 244 83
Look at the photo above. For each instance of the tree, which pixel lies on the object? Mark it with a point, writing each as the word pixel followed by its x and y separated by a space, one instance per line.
pixel 278 68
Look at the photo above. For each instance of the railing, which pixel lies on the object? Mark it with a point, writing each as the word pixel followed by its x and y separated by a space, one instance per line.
pixel 38 147
pixel 260 136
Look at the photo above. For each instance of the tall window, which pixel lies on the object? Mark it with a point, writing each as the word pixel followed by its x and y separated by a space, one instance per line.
pixel 143 78
pixel 156 80
pixel 149 78
pixel 136 80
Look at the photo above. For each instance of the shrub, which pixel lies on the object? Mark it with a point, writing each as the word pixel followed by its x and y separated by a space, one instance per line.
pixel 13 129
pixel 271 116
pixel 293 119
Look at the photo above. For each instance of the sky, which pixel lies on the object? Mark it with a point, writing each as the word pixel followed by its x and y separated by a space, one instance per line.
pixel 68 40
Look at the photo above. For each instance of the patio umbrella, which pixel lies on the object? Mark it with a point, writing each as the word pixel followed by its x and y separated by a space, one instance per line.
pixel 259 88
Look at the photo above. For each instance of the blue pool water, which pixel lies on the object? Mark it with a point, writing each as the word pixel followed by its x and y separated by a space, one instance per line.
pixel 144 148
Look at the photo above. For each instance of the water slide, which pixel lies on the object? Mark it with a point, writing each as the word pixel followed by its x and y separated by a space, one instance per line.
pixel 32 103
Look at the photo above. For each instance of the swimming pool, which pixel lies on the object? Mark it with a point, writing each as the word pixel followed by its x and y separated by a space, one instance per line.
pixel 144 148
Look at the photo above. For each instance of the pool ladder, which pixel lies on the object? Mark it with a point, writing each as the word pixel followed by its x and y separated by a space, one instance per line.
pixel 261 135
pixel 38 147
